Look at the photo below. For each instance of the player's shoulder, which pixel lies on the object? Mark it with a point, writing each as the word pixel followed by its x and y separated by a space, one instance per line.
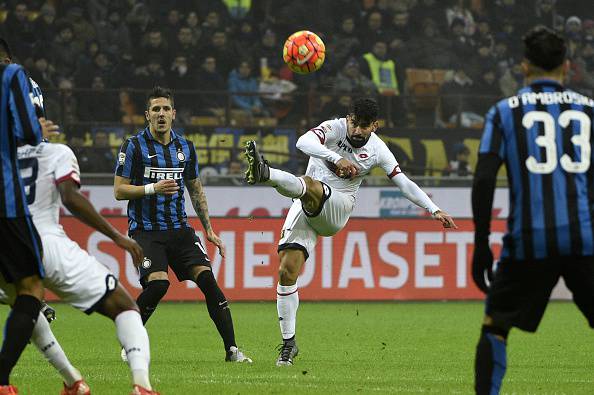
pixel 337 125
pixel 180 137
pixel 56 149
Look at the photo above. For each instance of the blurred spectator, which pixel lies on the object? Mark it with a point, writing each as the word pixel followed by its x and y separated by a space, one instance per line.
pixel 137 19
pixel 43 73
pixel 150 73
pixel 96 159
pixel 18 29
pixel 338 107
pixel 545 14
pixel 221 51
pixel 462 44
pixel 483 36
pixel 235 173
pixel 97 11
pixel 210 80
pixel 65 51
pixel 113 34
pixel 101 67
pixel 456 101
pixel 343 44
pixel 245 38
pixel 428 9
pixel 459 167
pixel 486 90
pixel 87 57
pixel 400 27
pixel 211 25
pixel 373 30
pixel 573 35
pixel 44 27
pixel 241 81
pixel 266 54
pixel 82 30
pixel 180 77
pixel 511 80
pixel 351 81
pixel 123 71
pixel 98 105
pixel 380 69
pixel 185 46
pixel 68 103
pixel 482 58
pixel 153 45
pixel 193 23
pixel 171 25
pixel 458 11
pixel 582 76
pixel 431 50
pixel 503 57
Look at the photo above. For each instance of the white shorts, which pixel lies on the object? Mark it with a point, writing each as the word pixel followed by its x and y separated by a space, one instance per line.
pixel 301 230
pixel 71 273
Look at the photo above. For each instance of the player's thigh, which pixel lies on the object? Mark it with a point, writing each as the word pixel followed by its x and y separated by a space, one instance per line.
pixel 20 246
pixel 314 194
pixel 296 233
pixel 75 276
pixel 520 293
pixel 578 274
pixel 333 214
pixel 185 252
pixel 154 247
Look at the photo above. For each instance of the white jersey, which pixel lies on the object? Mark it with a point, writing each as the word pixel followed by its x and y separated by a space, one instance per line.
pixel 42 168
pixel 333 135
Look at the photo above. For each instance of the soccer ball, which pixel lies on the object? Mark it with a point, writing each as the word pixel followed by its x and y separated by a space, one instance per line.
pixel 304 52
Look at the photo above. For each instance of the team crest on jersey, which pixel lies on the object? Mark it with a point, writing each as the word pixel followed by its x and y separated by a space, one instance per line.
pixel 122 158
pixel 181 156
pixel 146 263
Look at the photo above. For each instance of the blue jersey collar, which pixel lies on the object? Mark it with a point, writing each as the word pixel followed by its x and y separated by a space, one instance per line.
pixel 148 135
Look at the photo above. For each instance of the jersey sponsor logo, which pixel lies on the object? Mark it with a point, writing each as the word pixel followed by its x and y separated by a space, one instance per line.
pixel 363 156
pixel 343 146
pixel 122 158
pixel 146 263
pixel 181 156
pixel 163 173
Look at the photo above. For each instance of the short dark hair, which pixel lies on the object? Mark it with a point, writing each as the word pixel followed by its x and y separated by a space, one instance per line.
pixel 365 111
pixel 5 48
pixel 544 47
pixel 159 91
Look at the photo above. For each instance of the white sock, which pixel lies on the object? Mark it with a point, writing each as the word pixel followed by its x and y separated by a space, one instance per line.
pixel 46 343
pixel 287 303
pixel 133 337
pixel 286 183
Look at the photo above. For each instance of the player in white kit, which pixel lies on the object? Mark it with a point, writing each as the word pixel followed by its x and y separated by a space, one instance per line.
pixel 342 151
pixel 50 174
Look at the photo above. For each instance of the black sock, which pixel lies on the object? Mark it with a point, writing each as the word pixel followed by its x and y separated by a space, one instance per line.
pixel 218 308
pixel 17 332
pixel 149 298
pixel 490 363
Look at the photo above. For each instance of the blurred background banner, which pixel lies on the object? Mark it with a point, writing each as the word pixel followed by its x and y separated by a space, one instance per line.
pixel 371 259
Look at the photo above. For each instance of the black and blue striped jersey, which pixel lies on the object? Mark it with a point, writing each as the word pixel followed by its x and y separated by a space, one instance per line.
pixel 544 136
pixel 18 125
pixel 144 160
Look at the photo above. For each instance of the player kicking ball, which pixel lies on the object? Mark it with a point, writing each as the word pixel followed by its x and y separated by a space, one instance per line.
pixel 342 151
pixel 50 173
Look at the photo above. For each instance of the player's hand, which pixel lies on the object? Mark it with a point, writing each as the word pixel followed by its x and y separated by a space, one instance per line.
pixel 482 265
pixel 446 219
pixel 48 128
pixel 132 247
pixel 166 187
pixel 346 169
pixel 216 240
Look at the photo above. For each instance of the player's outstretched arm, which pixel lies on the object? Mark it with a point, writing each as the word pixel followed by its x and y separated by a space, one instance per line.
pixel 416 195
pixel 198 199
pixel 82 209
pixel 123 190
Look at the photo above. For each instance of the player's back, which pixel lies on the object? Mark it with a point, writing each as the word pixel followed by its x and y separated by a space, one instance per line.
pixel 43 168
pixel 544 135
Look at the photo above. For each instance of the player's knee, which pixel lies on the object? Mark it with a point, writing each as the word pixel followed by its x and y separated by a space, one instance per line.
pixel 158 288
pixel 495 330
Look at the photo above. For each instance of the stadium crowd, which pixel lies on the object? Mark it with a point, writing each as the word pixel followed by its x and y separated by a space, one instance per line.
pixel 435 63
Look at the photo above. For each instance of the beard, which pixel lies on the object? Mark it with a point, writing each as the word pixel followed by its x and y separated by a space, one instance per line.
pixel 358 142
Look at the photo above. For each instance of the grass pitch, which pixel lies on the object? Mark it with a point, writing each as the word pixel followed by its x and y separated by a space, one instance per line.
pixel 404 348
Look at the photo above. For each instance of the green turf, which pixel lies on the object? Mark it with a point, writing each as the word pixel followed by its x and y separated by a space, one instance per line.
pixel 405 348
